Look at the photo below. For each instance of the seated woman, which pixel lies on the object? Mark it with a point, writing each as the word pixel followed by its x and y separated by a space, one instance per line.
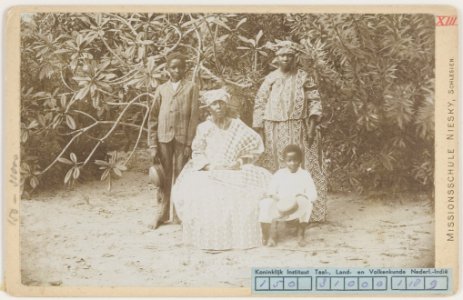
pixel 217 194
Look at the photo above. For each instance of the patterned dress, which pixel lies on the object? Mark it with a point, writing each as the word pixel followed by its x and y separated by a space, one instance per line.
pixel 219 208
pixel 283 105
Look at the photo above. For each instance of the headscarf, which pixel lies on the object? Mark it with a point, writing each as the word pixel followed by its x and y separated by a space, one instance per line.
pixel 213 95
pixel 284 47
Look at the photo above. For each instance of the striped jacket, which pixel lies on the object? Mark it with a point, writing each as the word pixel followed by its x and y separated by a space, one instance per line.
pixel 174 114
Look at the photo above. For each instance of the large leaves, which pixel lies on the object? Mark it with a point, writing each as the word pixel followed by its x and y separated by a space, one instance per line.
pixel 375 77
pixel 374 74
pixel 96 81
pixel 115 165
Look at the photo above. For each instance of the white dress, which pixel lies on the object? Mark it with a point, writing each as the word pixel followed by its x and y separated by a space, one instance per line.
pixel 219 209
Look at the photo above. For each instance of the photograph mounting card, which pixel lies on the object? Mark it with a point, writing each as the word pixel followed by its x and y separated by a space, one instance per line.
pixel 231 151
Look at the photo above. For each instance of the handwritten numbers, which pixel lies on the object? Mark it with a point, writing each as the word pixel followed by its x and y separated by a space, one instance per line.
pixel 431 281
pixel 398 283
pixel 290 283
pixel 276 283
pixel 379 283
pixel 14 175
pixel 366 283
pixel 262 283
pixel 352 283
pixel 415 283
pixel 337 283
pixel 436 283
pixel 446 21
pixel 13 216
pixel 323 283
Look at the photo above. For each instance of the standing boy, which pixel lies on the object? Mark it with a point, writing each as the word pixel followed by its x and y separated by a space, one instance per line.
pixel 171 127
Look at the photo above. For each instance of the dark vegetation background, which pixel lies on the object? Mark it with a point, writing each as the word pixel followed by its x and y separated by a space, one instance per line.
pixel 87 81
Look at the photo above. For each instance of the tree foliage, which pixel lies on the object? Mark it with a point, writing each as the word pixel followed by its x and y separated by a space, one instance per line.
pixel 87 81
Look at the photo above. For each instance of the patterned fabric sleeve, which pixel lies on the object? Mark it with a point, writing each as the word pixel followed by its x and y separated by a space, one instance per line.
pixel 313 97
pixel 260 102
pixel 251 145
pixel 153 119
pixel 198 147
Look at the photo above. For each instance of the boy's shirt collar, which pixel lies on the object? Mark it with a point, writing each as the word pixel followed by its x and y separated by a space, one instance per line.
pixel 175 86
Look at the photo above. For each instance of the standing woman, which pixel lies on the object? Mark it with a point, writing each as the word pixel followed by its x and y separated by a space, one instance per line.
pixel 287 111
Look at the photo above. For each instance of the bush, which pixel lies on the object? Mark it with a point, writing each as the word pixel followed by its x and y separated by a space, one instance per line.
pixel 376 76
pixel 88 80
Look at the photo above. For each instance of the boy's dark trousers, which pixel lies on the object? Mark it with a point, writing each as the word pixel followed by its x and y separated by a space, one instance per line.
pixel 172 160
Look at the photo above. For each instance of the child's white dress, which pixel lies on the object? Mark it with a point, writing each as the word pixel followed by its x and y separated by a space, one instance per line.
pixel 285 185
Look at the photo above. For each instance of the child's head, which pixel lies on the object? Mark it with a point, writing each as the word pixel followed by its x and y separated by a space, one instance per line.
pixel 292 154
pixel 176 66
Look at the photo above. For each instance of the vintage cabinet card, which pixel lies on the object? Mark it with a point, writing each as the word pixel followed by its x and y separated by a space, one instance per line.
pixel 193 151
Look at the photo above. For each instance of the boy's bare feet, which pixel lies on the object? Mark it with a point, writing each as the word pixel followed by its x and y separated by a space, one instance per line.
pixel 157 221
pixel 301 234
pixel 155 224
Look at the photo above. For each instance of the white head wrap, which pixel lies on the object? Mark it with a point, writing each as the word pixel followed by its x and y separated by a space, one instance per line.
pixel 283 47
pixel 213 95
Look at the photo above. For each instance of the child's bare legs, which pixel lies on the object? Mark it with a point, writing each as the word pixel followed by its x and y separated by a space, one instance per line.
pixel 301 234
pixel 303 219
pixel 265 227
pixel 269 234
pixel 273 239
pixel 266 217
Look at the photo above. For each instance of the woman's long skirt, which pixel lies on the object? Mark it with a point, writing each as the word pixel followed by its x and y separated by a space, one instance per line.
pixel 220 209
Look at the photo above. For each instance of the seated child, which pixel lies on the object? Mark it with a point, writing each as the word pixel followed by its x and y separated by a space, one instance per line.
pixel 290 196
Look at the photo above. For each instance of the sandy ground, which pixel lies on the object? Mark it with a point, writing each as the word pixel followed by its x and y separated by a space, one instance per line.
pixel 89 237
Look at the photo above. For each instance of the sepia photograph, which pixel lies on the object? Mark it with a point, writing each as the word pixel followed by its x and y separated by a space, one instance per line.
pixel 182 149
